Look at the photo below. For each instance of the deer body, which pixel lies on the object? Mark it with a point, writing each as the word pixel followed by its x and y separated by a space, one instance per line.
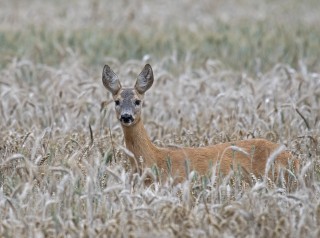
pixel 253 159
pixel 249 155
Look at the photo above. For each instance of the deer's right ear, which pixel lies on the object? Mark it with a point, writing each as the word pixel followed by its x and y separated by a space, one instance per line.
pixel 110 80
pixel 145 79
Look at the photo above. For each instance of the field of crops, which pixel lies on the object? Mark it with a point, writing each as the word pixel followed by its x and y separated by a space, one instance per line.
pixel 224 71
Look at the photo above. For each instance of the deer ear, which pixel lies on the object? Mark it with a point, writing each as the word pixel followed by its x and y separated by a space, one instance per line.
pixel 145 79
pixel 110 80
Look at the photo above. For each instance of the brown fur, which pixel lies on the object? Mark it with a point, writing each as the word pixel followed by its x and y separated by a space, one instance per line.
pixel 200 159
pixel 251 156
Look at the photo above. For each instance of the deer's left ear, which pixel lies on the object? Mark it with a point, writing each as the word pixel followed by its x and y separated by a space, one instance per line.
pixel 144 80
pixel 110 80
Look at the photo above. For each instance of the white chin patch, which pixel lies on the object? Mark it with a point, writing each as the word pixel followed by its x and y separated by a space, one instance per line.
pixel 126 123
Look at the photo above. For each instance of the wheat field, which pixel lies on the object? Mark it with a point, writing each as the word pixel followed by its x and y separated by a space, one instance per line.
pixel 224 71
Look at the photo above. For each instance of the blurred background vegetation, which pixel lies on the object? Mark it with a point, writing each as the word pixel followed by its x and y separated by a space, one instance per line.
pixel 250 36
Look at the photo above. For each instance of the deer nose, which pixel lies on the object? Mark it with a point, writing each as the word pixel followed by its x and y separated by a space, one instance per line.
pixel 126 118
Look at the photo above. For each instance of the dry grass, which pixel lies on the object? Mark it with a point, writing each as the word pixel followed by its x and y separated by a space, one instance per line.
pixel 221 75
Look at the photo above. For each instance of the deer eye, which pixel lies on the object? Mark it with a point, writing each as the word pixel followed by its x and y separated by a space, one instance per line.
pixel 137 102
pixel 117 102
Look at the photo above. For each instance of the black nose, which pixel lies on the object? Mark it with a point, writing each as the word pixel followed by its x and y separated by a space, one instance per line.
pixel 126 118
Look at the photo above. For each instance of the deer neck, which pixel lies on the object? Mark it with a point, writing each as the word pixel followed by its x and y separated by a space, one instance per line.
pixel 138 142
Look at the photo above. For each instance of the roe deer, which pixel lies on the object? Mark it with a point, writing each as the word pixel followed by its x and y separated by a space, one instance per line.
pixel 250 155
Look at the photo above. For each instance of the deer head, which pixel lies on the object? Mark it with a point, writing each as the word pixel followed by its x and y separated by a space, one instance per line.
pixel 128 101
